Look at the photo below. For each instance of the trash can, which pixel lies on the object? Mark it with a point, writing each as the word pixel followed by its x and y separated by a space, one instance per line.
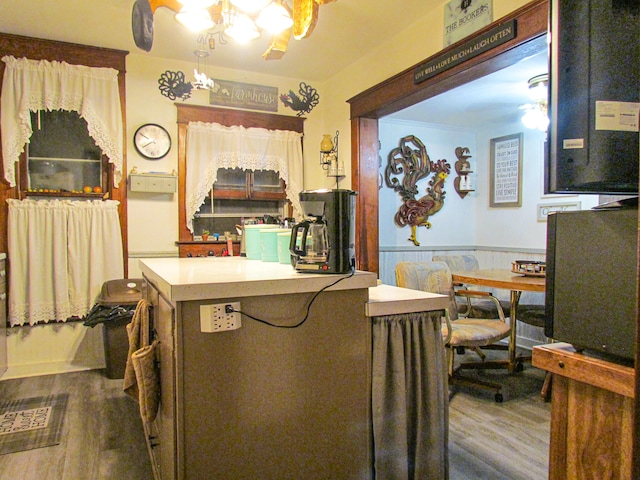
pixel 114 308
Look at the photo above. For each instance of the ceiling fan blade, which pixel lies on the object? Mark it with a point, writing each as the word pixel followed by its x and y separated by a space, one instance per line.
pixel 142 24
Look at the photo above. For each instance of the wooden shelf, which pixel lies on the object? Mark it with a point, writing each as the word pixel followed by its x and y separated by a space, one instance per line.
pixel 93 196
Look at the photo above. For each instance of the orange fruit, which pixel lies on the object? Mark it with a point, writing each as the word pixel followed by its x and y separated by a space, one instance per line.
pixel 87 189
pixel 97 189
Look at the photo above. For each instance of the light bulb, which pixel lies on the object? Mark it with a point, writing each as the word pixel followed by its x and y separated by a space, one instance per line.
pixel 242 28
pixel 274 18
pixel 195 20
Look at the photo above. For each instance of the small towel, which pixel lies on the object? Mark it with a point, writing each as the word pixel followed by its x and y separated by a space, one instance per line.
pixel 147 377
pixel 134 330
pixel 141 376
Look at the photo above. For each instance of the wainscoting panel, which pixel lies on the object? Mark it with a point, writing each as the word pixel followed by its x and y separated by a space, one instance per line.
pixel 53 348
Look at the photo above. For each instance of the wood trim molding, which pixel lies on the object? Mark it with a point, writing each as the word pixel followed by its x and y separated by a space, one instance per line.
pixel 399 92
pixel 41 49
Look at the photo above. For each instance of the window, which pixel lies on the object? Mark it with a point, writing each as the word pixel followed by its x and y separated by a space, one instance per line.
pixel 62 157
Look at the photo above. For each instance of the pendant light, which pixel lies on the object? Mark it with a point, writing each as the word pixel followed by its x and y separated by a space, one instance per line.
pixel 274 18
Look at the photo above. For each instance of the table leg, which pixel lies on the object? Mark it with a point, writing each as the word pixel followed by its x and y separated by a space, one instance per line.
pixel 514 299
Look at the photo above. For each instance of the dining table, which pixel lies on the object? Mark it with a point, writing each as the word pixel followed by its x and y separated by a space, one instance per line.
pixel 505 279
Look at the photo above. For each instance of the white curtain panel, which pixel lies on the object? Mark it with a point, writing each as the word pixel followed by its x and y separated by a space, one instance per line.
pixel 32 85
pixel 60 254
pixel 211 146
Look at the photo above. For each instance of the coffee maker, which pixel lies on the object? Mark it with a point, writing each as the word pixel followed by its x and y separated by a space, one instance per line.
pixel 324 242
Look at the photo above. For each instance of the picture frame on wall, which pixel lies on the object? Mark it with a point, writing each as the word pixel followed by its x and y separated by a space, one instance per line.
pixel 505 171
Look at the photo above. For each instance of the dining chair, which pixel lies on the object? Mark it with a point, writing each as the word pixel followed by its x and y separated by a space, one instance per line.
pixel 459 332
pixel 477 308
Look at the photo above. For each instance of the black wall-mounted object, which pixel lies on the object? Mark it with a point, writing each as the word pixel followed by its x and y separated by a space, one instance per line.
pixel 591 282
pixel 594 92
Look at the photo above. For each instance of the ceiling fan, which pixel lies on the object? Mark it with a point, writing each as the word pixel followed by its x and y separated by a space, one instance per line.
pixel 304 14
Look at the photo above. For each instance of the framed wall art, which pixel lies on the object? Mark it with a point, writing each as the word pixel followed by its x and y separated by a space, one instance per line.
pixel 505 171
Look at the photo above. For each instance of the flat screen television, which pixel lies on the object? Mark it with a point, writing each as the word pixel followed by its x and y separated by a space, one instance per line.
pixel 593 97
pixel 591 280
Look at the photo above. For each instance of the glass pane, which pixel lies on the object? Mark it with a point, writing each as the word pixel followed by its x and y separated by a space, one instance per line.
pixel 60 154
pixel 207 206
pixel 248 207
pixel 231 179
pixel 266 180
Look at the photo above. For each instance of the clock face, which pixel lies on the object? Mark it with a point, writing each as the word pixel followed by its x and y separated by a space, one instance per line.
pixel 152 141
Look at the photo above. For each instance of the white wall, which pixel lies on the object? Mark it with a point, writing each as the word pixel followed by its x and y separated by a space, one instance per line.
pixel 455 223
pixel 471 222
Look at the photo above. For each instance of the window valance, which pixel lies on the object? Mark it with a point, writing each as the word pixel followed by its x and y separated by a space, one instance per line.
pixel 32 85
pixel 211 146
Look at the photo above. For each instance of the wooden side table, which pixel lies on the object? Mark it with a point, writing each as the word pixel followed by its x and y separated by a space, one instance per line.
pixel 591 414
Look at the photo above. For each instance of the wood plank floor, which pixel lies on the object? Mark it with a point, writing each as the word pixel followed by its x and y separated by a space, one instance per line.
pixel 500 441
pixel 102 432
pixel 103 439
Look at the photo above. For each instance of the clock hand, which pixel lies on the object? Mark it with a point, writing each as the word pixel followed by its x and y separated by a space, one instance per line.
pixel 142 134
pixel 148 143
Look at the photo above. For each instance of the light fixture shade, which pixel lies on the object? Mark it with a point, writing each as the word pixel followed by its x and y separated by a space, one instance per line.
pixel 241 28
pixel 197 4
pixel 250 6
pixel 536 118
pixel 538 87
pixel 274 18
pixel 196 20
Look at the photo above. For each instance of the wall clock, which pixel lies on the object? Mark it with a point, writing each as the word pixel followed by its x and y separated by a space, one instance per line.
pixel 152 141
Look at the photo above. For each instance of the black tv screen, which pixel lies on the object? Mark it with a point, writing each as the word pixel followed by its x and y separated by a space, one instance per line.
pixel 593 97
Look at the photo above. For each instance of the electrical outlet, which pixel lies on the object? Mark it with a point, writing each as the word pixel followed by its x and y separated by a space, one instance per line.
pixel 214 318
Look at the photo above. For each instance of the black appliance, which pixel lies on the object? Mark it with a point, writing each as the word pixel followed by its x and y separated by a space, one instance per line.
pixel 594 89
pixel 324 242
pixel 591 280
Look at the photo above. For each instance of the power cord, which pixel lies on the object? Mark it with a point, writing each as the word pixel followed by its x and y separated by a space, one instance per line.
pixel 266 322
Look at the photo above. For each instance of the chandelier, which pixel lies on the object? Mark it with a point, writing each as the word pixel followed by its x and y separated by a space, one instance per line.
pixel 535 115
pixel 241 20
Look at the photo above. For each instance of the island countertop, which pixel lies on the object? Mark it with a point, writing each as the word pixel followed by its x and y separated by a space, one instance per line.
pixel 204 278
pixel 390 300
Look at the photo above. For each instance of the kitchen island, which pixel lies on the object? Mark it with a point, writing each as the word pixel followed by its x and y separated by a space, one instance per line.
pixel 267 400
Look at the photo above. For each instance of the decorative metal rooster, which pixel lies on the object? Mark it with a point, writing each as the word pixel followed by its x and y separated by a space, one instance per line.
pixel 411 163
pixel 308 99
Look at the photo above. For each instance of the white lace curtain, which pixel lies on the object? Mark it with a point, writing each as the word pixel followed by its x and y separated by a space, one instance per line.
pixel 211 146
pixel 60 252
pixel 32 85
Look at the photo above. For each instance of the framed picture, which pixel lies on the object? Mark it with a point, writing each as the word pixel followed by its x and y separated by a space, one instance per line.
pixel 505 175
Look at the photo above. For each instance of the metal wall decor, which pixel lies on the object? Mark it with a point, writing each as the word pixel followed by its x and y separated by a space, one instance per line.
pixel 173 85
pixel 304 103
pixel 406 165
pixel 462 183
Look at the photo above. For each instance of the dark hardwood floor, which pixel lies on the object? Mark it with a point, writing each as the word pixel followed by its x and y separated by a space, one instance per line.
pixel 102 432
pixel 103 437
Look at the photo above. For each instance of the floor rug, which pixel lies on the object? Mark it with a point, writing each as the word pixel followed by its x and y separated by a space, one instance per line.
pixel 31 422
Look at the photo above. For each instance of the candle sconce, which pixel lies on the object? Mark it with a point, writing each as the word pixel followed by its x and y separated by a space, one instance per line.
pixel 462 183
pixel 329 157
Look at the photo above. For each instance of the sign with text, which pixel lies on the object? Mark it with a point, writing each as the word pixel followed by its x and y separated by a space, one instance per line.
pixel 464 17
pixel 491 39
pixel 244 95
pixel 506 171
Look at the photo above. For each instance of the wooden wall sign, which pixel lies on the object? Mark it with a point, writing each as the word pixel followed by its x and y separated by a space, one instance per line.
pixel 244 95
pixel 474 47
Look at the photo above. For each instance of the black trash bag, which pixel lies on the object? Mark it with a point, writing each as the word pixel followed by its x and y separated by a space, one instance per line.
pixel 101 314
